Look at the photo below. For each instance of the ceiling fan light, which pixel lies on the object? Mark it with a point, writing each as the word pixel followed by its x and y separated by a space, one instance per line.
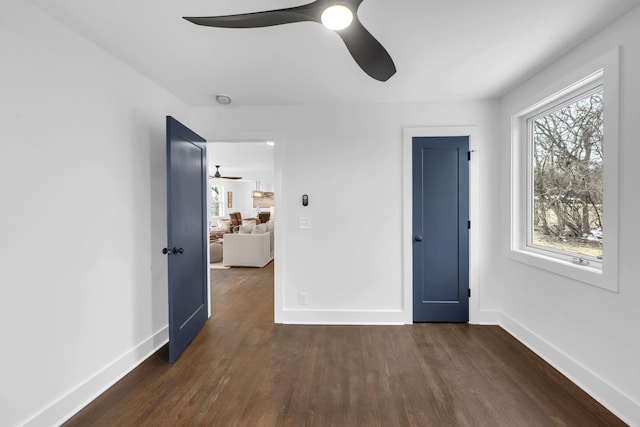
pixel 337 17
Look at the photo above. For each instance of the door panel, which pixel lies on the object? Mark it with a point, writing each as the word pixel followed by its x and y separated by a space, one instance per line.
pixel 440 229
pixel 186 232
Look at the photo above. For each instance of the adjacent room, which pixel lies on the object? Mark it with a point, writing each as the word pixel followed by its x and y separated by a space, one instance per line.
pixel 240 197
pixel 442 234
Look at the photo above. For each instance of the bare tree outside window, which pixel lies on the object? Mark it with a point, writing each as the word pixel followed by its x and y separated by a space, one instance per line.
pixel 567 180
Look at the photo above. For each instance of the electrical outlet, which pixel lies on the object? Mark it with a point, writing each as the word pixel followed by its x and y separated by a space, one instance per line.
pixel 302 298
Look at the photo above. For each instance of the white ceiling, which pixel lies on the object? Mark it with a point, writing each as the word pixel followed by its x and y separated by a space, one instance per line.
pixel 443 49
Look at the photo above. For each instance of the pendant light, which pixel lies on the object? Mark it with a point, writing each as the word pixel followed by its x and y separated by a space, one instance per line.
pixel 257 194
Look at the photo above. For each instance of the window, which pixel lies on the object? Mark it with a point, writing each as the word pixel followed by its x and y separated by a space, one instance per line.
pixel 217 201
pixel 565 177
pixel 565 212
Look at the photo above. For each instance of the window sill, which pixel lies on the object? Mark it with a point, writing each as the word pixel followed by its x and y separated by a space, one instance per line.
pixel 582 273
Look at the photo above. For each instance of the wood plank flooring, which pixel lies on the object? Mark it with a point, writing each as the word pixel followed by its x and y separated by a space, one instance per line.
pixel 244 370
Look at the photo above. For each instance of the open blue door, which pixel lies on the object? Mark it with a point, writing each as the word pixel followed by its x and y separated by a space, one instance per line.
pixel 441 229
pixel 187 235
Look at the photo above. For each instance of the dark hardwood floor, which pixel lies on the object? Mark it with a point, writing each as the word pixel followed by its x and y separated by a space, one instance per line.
pixel 244 370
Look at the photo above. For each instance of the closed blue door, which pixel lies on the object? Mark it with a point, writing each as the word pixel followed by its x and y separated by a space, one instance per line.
pixel 440 229
pixel 187 235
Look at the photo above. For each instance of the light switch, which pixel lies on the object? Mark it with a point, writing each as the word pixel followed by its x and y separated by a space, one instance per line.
pixel 304 223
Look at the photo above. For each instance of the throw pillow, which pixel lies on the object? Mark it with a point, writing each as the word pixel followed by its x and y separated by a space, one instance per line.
pixel 224 224
pixel 246 229
pixel 259 229
pixel 248 221
pixel 270 224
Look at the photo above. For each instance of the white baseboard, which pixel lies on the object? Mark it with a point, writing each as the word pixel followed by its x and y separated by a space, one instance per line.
pixel 341 317
pixel 623 406
pixel 71 403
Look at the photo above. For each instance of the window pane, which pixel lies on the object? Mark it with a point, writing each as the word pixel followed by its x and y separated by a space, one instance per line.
pixel 567 181
pixel 216 201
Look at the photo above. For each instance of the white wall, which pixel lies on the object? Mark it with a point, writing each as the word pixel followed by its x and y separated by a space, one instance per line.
pixel 348 159
pixel 588 333
pixel 83 220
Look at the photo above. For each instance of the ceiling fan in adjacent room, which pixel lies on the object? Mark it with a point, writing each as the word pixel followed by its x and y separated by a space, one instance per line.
pixel 338 15
pixel 218 175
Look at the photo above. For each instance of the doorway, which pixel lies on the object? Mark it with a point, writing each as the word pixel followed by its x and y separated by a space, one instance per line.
pixel 253 164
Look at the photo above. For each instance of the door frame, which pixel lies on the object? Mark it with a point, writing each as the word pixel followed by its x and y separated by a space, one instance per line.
pixel 407 213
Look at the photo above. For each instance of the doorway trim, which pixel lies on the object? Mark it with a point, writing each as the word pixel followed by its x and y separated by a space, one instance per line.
pixel 407 213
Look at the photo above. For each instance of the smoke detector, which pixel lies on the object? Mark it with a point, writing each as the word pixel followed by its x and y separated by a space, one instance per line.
pixel 223 99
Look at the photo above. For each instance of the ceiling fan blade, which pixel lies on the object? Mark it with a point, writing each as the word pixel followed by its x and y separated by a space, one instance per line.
pixel 368 53
pixel 308 12
pixel 218 175
pixel 224 177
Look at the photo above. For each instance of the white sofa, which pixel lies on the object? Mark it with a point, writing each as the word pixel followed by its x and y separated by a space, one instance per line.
pixel 246 250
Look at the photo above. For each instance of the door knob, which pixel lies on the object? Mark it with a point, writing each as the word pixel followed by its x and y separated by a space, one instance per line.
pixel 173 251
pixel 418 238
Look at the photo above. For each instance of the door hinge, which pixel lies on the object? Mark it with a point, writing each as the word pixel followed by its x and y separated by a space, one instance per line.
pixel 469 225
pixel 468 155
pixel 469 292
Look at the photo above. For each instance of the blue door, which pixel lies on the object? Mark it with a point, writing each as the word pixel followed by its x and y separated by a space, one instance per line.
pixel 187 235
pixel 441 229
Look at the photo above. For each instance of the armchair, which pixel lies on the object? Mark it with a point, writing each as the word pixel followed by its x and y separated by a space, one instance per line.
pixel 236 221
pixel 246 250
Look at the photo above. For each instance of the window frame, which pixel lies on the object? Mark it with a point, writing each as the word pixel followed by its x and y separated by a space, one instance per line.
pixel 587 87
pixel 221 201
pixel 603 273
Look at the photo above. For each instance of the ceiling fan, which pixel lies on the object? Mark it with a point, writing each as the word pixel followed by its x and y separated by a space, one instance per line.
pixel 338 15
pixel 218 175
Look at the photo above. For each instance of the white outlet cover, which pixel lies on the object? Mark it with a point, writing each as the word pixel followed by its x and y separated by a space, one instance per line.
pixel 302 298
